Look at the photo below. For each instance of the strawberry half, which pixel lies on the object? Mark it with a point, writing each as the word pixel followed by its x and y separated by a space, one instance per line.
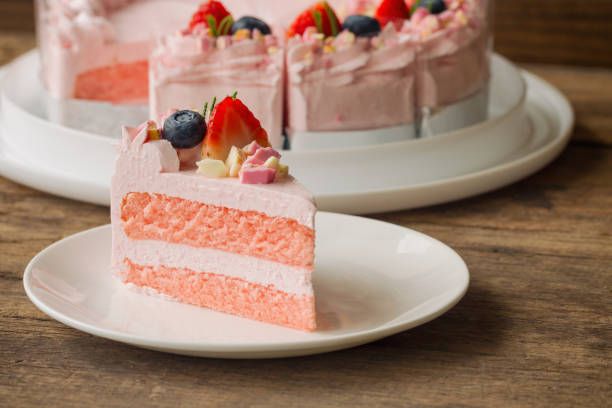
pixel 321 16
pixel 214 15
pixel 392 11
pixel 231 124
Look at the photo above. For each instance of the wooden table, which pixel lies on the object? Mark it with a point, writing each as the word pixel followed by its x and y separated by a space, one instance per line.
pixel 533 330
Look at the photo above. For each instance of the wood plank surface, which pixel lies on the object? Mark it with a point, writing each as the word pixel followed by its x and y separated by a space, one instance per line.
pixel 534 330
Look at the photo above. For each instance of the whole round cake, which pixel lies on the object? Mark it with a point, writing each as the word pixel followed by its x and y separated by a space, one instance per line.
pixel 328 74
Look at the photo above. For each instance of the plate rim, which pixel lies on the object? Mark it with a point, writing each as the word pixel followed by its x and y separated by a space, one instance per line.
pixel 241 349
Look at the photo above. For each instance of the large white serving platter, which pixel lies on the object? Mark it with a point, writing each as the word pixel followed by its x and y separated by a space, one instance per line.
pixel 372 279
pixel 526 130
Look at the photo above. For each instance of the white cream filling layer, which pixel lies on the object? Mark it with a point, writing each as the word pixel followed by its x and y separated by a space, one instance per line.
pixel 289 279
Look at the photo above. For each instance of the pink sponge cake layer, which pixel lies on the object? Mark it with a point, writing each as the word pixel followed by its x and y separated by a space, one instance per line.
pixel 176 220
pixel 244 249
pixel 226 294
pixel 114 83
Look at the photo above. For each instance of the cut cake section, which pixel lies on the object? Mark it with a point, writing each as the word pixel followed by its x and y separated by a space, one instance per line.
pixel 244 249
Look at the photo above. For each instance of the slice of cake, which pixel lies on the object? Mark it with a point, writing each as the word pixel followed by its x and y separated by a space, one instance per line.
pixel 232 232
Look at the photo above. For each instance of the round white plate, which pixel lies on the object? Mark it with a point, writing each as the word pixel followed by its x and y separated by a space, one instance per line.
pixel 372 279
pixel 386 177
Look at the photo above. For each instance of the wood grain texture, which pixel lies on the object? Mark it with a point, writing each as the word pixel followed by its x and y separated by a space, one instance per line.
pixel 534 330
pixel 555 31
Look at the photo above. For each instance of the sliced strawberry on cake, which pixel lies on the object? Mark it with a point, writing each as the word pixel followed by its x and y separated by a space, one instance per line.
pixel 214 16
pixel 392 11
pixel 320 16
pixel 231 124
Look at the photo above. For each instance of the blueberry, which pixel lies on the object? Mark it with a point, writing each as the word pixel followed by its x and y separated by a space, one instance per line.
pixel 362 26
pixel 184 129
pixel 434 6
pixel 250 23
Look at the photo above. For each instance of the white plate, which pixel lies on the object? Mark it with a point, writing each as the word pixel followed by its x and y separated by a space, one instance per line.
pixel 380 178
pixel 372 279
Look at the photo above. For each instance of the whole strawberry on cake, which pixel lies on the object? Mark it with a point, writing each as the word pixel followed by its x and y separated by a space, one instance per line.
pixel 214 55
pixel 227 228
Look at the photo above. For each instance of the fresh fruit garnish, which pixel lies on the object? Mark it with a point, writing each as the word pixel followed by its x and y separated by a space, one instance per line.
pixel 362 26
pixel 184 129
pixel 321 16
pixel 250 23
pixel 392 11
pixel 231 124
pixel 434 6
pixel 214 15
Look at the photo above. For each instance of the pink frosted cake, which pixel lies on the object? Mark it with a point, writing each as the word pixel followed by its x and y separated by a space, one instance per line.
pixel 452 57
pixel 350 79
pixel 214 56
pixel 232 232
pixel 394 63
pixel 98 49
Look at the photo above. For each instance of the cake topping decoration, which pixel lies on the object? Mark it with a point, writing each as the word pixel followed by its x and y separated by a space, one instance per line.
pixel 231 123
pixel 184 129
pixel 433 6
pixel 362 26
pixel 212 168
pixel 257 175
pixel 152 130
pixel 250 23
pixel 320 16
pixel 392 11
pixel 261 156
pixel 212 16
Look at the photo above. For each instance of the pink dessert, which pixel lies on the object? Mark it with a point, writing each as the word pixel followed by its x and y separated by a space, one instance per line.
pixel 452 58
pixel 98 49
pixel 232 232
pixel 343 81
pixel 391 60
pixel 215 57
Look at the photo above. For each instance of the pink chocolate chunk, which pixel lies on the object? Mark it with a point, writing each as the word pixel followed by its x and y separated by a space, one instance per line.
pixel 257 175
pixel 261 155
pixel 251 148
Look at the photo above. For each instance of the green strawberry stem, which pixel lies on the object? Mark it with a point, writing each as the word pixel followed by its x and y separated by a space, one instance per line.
pixel 212 23
pixel 316 14
pixel 225 25
pixel 214 101
pixel 204 110
pixel 234 95
pixel 332 19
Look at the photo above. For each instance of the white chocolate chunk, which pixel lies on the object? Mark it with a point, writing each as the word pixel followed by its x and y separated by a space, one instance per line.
pixel 282 171
pixel 235 170
pixel 272 162
pixel 235 156
pixel 212 168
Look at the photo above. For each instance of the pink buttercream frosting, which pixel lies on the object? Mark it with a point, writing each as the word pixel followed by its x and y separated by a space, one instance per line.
pixel 434 60
pixel 188 69
pixel 349 83
pixel 452 56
